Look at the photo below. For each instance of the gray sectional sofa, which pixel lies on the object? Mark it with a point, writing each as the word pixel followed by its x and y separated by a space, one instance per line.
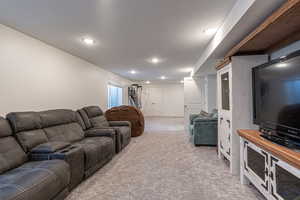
pixel 44 155
pixel 22 179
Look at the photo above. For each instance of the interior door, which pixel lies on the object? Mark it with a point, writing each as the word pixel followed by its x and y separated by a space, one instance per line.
pixel 153 101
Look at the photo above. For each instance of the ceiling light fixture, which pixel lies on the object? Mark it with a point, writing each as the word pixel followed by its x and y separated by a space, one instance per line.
pixel 88 41
pixel 210 31
pixel 133 72
pixel 154 60
pixel 148 82
pixel 163 77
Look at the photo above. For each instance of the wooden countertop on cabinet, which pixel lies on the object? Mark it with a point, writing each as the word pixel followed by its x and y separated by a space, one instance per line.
pixel 288 155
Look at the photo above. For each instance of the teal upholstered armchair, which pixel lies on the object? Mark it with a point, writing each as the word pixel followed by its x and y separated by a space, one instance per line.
pixel 203 129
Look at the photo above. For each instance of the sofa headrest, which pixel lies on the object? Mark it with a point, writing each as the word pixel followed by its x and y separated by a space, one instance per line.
pixel 5 129
pixel 24 121
pixel 85 118
pixel 80 120
pixel 57 117
pixel 93 111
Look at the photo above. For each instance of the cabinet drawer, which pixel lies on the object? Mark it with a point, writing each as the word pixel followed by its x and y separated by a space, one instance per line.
pixel 285 180
pixel 256 166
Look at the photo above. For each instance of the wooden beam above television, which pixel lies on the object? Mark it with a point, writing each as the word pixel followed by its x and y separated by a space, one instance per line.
pixel 223 63
pixel 278 30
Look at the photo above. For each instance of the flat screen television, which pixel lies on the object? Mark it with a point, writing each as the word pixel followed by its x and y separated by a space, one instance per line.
pixel 276 93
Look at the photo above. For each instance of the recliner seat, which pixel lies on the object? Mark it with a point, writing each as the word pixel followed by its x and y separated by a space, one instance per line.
pixel 21 179
pixel 56 134
pixel 92 118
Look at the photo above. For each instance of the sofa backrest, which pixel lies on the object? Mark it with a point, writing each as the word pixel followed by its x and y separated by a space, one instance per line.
pixel 93 117
pixel 35 128
pixel 85 121
pixel 61 125
pixel 80 120
pixel 11 153
pixel 27 126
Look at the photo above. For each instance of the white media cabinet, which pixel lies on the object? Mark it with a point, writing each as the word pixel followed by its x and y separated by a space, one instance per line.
pixel 234 83
pixel 273 169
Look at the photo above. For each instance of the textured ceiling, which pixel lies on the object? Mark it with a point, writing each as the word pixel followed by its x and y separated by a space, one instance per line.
pixel 127 32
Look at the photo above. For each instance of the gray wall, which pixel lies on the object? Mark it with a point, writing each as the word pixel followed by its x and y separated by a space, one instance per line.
pixel 36 76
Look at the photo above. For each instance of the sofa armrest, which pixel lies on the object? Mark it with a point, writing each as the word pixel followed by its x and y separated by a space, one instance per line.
pixel 119 123
pixel 61 154
pixel 98 132
pixel 103 132
pixel 192 117
pixel 49 147
pixel 205 132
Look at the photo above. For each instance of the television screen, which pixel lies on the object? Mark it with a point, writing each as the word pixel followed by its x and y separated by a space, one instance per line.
pixel 277 94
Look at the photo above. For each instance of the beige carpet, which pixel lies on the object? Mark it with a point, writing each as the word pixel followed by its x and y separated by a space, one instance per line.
pixel 163 165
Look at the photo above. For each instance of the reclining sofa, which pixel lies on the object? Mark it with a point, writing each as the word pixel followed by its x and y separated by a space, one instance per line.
pixel 203 128
pixel 23 179
pixel 44 155
pixel 93 120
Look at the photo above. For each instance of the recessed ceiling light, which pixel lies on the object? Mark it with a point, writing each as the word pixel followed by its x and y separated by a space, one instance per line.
pixel 133 72
pixel 210 31
pixel 148 82
pixel 154 60
pixel 163 77
pixel 88 41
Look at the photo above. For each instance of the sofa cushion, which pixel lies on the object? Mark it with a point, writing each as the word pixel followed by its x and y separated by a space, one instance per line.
pixel 5 129
pixel 204 113
pixel 28 129
pixel 11 154
pixel 61 125
pixel 85 119
pixel 214 113
pixel 80 120
pixel 91 152
pixel 107 146
pixel 93 117
pixel 124 133
pixel 35 180
pixel 99 122
pixel 66 133
pixel 96 149
pixel 30 139
pixel 57 117
pixel 24 121
pixel 93 111
pixel 49 147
